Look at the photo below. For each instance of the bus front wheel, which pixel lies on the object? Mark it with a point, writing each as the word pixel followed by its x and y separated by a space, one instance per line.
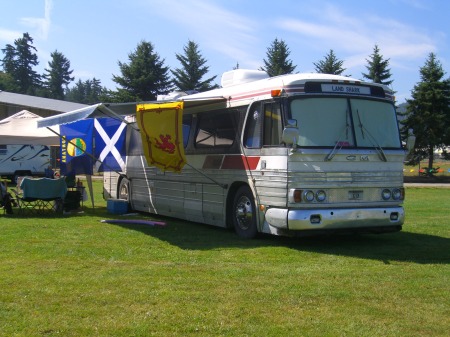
pixel 244 213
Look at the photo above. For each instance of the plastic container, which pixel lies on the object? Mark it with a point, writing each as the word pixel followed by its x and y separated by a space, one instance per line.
pixel 117 206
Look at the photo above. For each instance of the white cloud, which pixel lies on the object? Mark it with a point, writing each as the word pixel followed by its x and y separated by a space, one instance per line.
pixel 83 75
pixel 9 35
pixel 356 36
pixel 418 4
pixel 226 32
pixel 42 25
pixel 330 36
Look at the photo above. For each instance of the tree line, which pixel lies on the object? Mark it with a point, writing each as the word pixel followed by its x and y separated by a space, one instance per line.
pixel 145 76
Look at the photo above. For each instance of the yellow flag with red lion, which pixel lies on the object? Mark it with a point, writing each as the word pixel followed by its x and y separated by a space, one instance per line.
pixel 162 134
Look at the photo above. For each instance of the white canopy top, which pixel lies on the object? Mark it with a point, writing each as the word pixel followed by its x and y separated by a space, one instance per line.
pixel 21 128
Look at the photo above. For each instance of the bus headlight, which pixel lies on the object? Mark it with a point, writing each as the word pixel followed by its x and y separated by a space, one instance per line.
pixel 321 196
pixel 308 195
pixel 397 194
pixel 386 194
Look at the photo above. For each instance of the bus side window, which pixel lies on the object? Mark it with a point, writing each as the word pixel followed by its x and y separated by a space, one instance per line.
pixel 187 120
pixel 272 124
pixel 252 136
pixel 216 128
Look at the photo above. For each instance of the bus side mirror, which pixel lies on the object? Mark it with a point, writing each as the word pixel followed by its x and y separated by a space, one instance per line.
pixel 410 141
pixel 290 133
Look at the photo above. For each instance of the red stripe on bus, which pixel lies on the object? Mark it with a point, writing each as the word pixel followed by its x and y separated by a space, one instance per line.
pixel 240 162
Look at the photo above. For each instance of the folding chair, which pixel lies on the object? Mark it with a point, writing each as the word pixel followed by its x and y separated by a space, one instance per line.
pixel 6 200
pixel 2 203
pixel 41 196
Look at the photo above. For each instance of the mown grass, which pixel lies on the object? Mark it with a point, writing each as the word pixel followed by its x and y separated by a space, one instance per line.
pixel 76 276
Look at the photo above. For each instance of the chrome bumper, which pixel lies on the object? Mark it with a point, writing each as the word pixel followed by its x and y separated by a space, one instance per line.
pixel 334 218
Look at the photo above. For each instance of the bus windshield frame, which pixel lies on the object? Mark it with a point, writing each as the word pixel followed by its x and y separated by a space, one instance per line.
pixel 352 122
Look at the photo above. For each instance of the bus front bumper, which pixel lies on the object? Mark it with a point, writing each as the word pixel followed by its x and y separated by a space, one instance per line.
pixel 334 218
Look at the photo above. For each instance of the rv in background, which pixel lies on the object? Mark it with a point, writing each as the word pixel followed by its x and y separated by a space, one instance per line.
pixel 23 160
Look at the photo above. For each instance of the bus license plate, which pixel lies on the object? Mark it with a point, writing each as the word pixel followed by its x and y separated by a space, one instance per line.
pixel 355 195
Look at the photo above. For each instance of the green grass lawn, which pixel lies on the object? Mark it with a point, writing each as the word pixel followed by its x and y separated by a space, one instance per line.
pixel 75 276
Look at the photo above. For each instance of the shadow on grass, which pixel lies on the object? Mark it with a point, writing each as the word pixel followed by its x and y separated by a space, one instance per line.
pixel 400 247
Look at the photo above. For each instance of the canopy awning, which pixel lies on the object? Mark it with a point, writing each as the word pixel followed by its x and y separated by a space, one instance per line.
pixel 92 111
pixel 126 109
pixel 204 104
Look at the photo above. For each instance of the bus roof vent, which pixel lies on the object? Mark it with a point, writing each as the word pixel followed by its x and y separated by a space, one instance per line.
pixel 171 96
pixel 239 76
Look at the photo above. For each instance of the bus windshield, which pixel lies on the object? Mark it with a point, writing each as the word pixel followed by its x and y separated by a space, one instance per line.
pixel 345 122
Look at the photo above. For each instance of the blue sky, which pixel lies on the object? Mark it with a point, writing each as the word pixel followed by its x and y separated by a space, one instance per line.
pixel 94 35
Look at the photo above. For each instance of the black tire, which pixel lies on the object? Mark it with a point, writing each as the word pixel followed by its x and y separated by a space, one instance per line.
pixel 124 190
pixel 244 213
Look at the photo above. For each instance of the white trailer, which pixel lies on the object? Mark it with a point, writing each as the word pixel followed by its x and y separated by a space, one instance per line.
pixel 23 160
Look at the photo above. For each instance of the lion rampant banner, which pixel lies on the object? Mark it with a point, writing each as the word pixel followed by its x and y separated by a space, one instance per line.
pixel 162 134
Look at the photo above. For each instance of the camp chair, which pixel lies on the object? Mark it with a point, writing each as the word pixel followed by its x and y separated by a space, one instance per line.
pixel 2 203
pixel 5 197
pixel 41 195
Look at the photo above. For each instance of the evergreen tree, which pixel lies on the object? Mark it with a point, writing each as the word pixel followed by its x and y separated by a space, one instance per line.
pixel 378 71
pixel 330 65
pixel 9 61
pixel 277 62
pixel 88 92
pixel 428 112
pixel 7 82
pixel 144 78
pixel 189 77
pixel 57 77
pixel 76 93
pixel 9 64
pixel 19 61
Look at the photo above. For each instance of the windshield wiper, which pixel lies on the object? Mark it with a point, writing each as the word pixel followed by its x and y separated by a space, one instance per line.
pixel 339 142
pixel 371 138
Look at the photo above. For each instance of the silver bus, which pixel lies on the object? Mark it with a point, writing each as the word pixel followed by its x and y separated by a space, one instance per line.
pixel 293 154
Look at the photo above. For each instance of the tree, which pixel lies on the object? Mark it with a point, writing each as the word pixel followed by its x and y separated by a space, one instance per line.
pixel 7 82
pixel 57 77
pixel 88 92
pixel 277 62
pixel 428 112
pixel 145 77
pixel 378 71
pixel 189 77
pixel 330 65
pixel 9 61
pixel 19 61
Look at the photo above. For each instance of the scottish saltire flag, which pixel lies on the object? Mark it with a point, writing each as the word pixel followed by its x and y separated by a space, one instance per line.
pixel 162 134
pixel 109 144
pixel 76 147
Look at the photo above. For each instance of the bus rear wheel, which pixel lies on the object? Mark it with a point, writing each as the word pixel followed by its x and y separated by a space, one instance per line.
pixel 124 190
pixel 244 213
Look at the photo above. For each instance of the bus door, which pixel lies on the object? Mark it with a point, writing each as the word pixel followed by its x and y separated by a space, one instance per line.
pixel 262 137
pixel 264 126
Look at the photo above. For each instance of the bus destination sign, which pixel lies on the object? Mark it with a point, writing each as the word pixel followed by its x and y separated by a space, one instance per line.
pixel 346 89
